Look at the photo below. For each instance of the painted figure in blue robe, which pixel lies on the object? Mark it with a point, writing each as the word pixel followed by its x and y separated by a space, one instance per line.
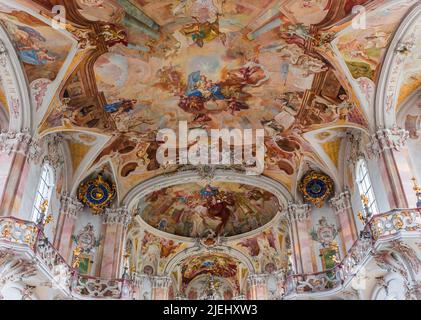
pixel 122 106
pixel 199 86
pixel 35 57
pixel 208 191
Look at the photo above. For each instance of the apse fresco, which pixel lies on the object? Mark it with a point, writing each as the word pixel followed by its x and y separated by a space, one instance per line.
pixel 195 210
pixel 202 285
pixel 41 49
pixel 212 264
pixel 267 250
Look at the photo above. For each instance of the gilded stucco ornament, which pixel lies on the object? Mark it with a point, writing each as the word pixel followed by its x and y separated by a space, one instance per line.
pixel 97 194
pixel 316 187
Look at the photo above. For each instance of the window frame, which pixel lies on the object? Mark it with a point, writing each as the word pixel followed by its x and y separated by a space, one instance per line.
pixel 365 186
pixel 44 191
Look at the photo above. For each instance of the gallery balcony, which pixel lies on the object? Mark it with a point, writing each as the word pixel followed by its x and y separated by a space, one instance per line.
pixel 25 241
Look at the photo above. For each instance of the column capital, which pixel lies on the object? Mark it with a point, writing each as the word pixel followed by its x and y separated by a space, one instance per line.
pixel 297 212
pixel 53 155
pixel 139 278
pixel 341 202
pixel 20 142
pixel 160 281
pixel 117 216
pixel 70 206
pixel 394 139
pixel 257 279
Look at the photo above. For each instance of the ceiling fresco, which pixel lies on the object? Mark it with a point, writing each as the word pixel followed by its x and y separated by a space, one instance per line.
pixel 411 74
pixel 294 68
pixel 215 64
pixel 362 51
pixel 193 209
pixel 41 48
pixel 3 99
pixel 205 283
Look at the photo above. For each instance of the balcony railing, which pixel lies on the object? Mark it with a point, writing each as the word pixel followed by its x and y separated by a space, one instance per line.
pixel 380 228
pixel 19 232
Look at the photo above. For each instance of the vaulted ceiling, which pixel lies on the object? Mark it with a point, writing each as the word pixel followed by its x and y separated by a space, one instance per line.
pixel 116 72
pixel 297 69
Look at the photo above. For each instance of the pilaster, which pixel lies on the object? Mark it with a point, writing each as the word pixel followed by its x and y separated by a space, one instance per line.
pixel 341 206
pixel 116 221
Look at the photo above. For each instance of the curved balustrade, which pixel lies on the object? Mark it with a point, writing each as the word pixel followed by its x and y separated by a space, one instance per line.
pixel 87 286
pixel 19 232
pixel 381 227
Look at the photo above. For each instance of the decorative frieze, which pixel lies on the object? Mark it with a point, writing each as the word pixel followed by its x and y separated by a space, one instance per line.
pixel 160 282
pixel 297 212
pixel 387 139
pixel 20 142
pixel 341 202
pixel 70 206
pixel 117 216
pixel 257 280
pixel 356 151
pixel 53 154
pixel 139 279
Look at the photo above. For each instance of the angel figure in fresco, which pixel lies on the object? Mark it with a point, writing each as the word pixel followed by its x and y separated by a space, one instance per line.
pixel 200 86
pixel 29 49
pixel 202 32
pixel 219 209
pixel 297 57
pixel 299 30
pixel 36 56
pixel 202 95
pixel 344 108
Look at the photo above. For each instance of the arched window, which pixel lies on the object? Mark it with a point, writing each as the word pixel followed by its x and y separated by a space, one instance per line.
pixel 365 187
pixel 43 195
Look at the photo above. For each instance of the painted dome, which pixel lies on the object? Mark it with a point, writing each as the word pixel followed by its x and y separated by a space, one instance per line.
pixel 220 208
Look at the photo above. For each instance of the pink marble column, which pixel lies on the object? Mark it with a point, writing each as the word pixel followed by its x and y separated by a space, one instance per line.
pixel 160 287
pixel 70 209
pixel 388 145
pixel 298 216
pixel 116 222
pixel 17 149
pixel 258 289
pixel 341 206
